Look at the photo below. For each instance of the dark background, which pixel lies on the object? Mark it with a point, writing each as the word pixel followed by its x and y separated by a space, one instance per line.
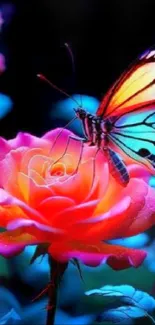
pixel 105 37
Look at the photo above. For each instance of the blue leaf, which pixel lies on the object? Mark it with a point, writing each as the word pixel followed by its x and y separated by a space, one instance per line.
pixel 10 310
pixel 124 315
pixel 129 295
pixel 7 302
pixel 35 313
pixel 11 318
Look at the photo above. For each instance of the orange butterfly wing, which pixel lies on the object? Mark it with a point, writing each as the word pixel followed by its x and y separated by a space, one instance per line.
pixel 134 90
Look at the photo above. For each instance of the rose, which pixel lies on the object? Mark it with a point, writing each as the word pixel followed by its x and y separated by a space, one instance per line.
pixel 74 205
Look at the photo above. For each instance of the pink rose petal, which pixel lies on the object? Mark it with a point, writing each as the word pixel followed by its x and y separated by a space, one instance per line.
pixel 27 140
pixel 117 257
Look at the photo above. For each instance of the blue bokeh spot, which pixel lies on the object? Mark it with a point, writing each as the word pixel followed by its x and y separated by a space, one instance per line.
pixel 6 105
pixel 137 241
pixel 64 109
pixel 152 181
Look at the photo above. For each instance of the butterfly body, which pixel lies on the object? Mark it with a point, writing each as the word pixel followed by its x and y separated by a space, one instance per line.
pixel 97 132
pixel 92 126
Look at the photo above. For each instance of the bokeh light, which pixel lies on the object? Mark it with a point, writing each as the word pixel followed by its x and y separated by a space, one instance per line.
pixel 6 105
pixel 2 63
pixel 137 241
pixel 152 181
pixel 64 109
pixel 7 9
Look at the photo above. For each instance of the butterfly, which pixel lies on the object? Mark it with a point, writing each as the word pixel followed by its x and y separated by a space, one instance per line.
pixel 124 123
pixel 125 120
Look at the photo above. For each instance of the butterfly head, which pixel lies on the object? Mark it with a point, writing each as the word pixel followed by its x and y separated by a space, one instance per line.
pixel 80 113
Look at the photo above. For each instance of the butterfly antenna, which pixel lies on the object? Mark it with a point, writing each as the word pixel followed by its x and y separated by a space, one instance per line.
pixel 43 78
pixel 70 52
pixel 71 56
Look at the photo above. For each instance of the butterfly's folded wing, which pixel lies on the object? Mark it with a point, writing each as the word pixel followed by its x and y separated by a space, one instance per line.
pixel 133 91
pixel 135 135
pixel 130 107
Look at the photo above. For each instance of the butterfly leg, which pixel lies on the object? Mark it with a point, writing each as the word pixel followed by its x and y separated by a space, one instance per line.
pixel 81 140
pixel 94 170
pixel 80 156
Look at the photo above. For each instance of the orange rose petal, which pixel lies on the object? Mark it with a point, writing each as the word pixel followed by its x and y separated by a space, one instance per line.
pixel 24 185
pixel 79 185
pixel 39 163
pixel 101 181
pixel 9 170
pixel 117 257
pixel 38 194
pixel 69 162
pixel 86 171
pixel 73 150
pixel 114 222
pixel 33 194
pixel 39 180
pixel 27 157
pixel 74 214
pixel 13 242
pixel 58 169
pixel 136 189
pixel 71 187
pixel 53 205
pixel 110 198
pixel 16 236
pixel 106 226
pixel 9 213
pixel 43 233
pixel 7 200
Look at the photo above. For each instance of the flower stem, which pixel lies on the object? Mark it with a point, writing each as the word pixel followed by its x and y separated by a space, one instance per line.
pixel 56 272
